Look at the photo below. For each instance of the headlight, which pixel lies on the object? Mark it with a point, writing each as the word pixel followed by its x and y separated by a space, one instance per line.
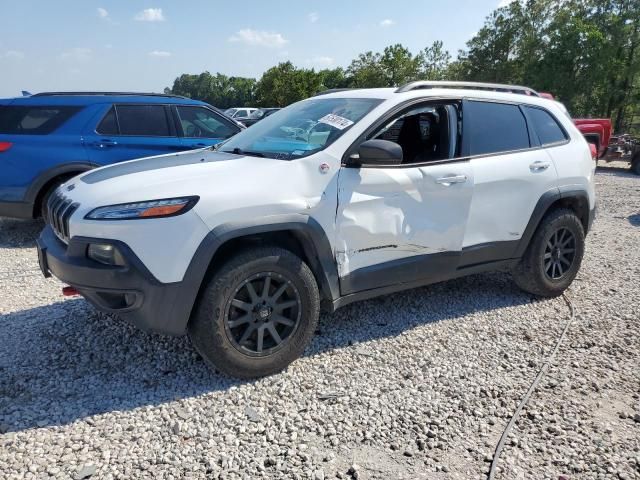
pixel 149 209
pixel 105 253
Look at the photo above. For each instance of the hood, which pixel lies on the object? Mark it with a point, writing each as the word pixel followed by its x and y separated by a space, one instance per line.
pixel 155 163
pixel 196 172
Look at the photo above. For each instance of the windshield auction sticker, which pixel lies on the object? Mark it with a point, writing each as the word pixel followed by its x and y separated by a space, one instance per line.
pixel 336 121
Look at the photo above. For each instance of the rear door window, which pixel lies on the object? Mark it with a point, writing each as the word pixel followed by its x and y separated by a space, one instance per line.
pixel 109 124
pixel 34 120
pixel 545 126
pixel 143 120
pixel 494 127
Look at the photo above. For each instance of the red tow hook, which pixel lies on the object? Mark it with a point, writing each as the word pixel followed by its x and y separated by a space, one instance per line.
pixel 70 291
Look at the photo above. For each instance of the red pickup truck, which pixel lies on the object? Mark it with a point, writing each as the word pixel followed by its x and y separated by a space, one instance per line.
pixel 597 131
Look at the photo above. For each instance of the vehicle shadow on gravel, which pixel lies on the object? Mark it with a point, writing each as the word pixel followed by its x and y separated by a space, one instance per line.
pixel 63 362
pixel 19 233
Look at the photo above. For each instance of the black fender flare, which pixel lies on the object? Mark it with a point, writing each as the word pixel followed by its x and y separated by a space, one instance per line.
pixel 307 230
pixel 542 207
pixel 45 177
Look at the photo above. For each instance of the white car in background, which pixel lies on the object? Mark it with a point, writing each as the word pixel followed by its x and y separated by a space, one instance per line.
pixel 239 114
pixel 337 198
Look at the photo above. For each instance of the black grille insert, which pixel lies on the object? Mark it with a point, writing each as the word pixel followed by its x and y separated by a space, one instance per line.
pixel 59 210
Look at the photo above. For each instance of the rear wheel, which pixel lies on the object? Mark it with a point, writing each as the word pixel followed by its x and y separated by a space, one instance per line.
pixel 554 255
pixel 257 313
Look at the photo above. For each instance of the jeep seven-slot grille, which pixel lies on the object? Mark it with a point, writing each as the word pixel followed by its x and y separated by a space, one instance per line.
pixel 59 210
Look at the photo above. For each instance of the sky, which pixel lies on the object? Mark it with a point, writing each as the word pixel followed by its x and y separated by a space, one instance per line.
pixel 140 45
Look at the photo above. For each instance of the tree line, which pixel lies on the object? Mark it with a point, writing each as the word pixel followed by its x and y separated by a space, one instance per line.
pixel 585 52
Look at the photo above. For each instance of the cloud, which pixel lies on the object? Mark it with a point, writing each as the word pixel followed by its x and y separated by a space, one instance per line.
pixel 160 53
pixel 102 13
pixel 313 17
pixel 12 54
pixel 79 54
pixel 505 3
pixel 258 38
pixel 150 15
pixel 387 22
pixel 320 62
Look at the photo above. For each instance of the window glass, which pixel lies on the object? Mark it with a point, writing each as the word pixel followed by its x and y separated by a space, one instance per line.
pixel 109 124
pixel 143 120
pixel 494 127
pixel 426 133
pixel 198 122
pixel 545 126
pixel 300 129
pixel 28 120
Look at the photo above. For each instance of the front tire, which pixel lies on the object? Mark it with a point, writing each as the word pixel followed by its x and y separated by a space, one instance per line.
pixel 554 255
pixel 257 313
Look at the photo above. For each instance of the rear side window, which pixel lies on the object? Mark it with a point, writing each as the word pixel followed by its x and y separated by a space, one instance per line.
pixel 109 124
pixel 494 127
pixel 546 126
pixel 143 120
pixel 33 120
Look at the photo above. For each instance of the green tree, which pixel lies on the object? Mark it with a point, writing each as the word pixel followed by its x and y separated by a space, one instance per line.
pixel 284 84
pixel 434 62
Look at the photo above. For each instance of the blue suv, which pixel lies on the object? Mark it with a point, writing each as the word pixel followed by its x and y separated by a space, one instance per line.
pixel 49 137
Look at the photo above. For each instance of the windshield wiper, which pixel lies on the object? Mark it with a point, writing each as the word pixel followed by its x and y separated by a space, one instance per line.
pixel 239 151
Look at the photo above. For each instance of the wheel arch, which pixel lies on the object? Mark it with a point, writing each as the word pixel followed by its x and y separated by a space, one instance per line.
pixel 47 178
pixel 576 200
pixel 300 234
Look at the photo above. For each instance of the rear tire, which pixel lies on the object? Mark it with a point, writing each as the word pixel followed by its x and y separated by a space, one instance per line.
pixel 256 314
pixel 554 255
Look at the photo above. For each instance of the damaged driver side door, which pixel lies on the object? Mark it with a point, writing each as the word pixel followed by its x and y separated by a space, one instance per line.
pixel 405 223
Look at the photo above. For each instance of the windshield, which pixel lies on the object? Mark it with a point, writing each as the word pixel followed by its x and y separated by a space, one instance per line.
pixel 301 129
pixel 229 112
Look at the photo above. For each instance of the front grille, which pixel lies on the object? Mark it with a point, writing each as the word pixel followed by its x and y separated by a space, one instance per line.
pixel 59 210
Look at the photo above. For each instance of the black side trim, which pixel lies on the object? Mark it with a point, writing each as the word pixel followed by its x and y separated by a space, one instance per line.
pixel 427 268
pixel 487 252
pixel 16 209
pixel 397 287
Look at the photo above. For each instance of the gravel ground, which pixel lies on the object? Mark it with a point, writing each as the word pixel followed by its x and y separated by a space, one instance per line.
pixel 415 385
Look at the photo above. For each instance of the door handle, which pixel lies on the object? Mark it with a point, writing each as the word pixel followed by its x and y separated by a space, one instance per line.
pixel 450 180
pixel 539 166
pixel 104 143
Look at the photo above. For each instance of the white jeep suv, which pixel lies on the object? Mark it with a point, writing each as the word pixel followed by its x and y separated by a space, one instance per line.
pixel 337 198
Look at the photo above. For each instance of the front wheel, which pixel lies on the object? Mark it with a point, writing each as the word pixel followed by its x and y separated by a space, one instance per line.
pixel 554 255
pixel 257 313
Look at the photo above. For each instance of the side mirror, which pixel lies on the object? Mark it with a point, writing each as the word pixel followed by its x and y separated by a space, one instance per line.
pixel 377 152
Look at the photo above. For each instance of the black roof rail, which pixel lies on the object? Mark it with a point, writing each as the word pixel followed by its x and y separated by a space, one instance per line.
pixel 79 94
pixel 333 90
pixel 494 87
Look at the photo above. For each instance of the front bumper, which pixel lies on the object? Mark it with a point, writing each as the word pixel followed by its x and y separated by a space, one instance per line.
pixel 130 291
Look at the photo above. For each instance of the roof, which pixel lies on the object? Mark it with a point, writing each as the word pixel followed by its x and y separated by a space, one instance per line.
pixel 444 89
pixel 89 98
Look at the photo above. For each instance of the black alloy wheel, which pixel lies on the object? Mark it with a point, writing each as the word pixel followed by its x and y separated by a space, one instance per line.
pixel 559 253
pixel 262 314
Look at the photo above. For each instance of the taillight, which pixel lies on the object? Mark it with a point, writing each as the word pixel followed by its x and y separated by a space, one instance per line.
pixel 4 146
